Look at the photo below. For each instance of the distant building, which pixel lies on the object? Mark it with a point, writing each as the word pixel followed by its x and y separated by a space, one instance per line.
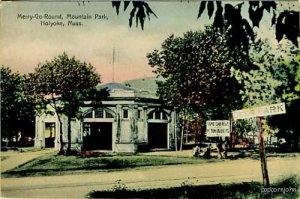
pixel 129 120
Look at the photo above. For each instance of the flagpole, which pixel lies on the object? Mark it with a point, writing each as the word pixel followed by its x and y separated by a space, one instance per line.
pixel 113 75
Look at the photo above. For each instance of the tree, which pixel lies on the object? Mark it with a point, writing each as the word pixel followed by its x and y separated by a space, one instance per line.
pixel 196 68
pixel 197 75
pixel 17 108
pixel 67 82
pixel 186 118
pixel 243 127
pixel 275 80
pixel 228 17
pixel 287 71
pixel 258 84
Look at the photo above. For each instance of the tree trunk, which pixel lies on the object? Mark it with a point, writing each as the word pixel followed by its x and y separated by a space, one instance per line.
pixel 175 130
pixel 186 125
pixel 61 148
pixel 181 137
pixel 175 139
pixel 68 152
pixel 199 130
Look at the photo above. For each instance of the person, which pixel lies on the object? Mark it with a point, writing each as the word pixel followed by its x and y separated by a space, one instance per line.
pixel 207 152
pixel 226 146
pixel 197 151
pixel 220 149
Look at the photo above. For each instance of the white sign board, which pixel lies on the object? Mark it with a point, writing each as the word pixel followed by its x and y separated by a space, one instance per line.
pixel 261 111
pixel 217 128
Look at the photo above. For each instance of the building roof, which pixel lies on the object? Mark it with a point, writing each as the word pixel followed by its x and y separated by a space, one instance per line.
pixel 118 90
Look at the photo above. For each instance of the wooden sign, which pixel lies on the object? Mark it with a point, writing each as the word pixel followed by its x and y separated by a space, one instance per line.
pixel 217 128
pixel 261 111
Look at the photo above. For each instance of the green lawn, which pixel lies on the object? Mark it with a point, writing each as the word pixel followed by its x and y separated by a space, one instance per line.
pixel 60 165
pixel 28 149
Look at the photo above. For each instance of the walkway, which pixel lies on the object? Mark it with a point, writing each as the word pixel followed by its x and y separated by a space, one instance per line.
pixel 12 159
pixel 77 186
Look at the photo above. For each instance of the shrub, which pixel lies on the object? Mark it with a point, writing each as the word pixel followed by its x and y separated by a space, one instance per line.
pixel 189 190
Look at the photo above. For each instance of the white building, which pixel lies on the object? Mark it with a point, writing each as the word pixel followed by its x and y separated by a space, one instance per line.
pixel 128 121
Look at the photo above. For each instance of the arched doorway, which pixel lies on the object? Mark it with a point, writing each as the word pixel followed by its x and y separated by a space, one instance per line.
pixel 98 129
pixel 157 130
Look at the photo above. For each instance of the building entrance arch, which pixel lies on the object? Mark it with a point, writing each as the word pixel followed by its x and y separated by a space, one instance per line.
pixel 158 130
pixel 97 131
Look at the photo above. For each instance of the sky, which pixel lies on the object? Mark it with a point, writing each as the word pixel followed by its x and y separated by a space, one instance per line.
pixel 24 43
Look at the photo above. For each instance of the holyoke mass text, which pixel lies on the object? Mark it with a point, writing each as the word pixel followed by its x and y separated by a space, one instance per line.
pixel 53 20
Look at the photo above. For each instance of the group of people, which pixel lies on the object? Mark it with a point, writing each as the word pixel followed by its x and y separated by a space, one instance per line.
pixel 222 149
pixel 206 152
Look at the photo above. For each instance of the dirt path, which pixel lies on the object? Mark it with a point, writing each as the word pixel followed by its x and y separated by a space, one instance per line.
pixel 77 186
pixel 12 159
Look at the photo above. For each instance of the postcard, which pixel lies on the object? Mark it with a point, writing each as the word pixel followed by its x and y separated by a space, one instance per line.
pixel 149 99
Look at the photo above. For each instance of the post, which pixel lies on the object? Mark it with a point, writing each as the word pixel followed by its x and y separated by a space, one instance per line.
pixel 264 169
pixel 181 137
pixel 175 129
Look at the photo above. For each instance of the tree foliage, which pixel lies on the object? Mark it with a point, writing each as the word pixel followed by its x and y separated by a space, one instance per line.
pixel 140 10
pixel 66 83
pixel 230 19
pixel 196 68
pixel 243 127
pixel 65 77
pixel 228 16
pixel 17 108
pixel 287 71
pixel 258 87
pixel 276 80
pixel 258 84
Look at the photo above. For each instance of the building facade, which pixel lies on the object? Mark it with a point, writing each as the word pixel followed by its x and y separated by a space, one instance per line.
pixel 129 120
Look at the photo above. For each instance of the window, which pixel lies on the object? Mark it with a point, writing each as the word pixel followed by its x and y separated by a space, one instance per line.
pixel 108 115
pixel 49 129
pixel 157 115
pixel 164 116
pixel 86 129
pixel 125 113
pixel 99 113
pixel 151 115
pixel 88 114
pixel 139 114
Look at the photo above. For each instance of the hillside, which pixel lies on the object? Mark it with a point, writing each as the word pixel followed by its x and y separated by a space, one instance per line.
pixel 144 84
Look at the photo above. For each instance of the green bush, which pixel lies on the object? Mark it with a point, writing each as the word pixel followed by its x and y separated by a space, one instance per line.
pixel 188 190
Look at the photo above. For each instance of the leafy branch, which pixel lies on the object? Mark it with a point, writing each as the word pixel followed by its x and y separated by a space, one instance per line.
pixel 228 17
pixel 140 10
pixel 287 22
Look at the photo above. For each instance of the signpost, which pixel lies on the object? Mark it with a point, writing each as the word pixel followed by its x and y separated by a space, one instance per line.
pixel 218 128
pixel 262 151
pixel 259 113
